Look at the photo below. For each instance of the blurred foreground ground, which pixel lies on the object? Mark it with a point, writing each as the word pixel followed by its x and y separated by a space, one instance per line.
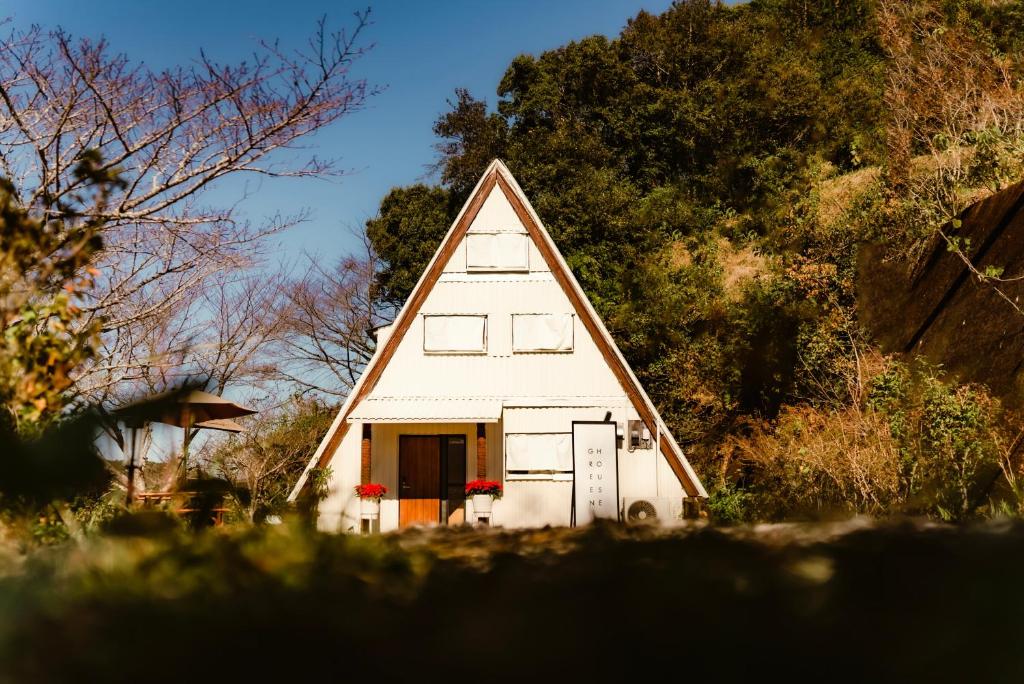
pixel 856 601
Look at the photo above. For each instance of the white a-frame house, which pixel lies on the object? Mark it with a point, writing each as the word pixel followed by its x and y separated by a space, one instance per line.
pixel 499 368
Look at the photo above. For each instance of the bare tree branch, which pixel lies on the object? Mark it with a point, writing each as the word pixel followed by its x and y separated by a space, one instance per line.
pixel 326 340
pixel 172 135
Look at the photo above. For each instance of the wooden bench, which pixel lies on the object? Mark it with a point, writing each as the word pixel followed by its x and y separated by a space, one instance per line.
pixel 150 499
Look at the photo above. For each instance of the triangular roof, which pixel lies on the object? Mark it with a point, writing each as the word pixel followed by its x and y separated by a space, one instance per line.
pixel 498 175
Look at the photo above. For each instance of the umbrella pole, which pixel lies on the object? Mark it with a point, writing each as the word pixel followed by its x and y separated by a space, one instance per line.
pixel 131 469
pixel 184 446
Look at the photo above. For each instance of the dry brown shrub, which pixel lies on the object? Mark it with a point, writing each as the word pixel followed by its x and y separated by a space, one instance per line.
pixel 740 265
pixel 820 461
pixel 837 195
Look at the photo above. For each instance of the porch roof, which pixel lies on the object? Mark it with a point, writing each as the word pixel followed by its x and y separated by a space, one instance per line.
pixel 426 410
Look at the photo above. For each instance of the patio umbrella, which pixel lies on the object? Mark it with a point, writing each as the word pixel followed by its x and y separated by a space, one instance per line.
pixel 187 409
pixel 222 424
pixel 184 409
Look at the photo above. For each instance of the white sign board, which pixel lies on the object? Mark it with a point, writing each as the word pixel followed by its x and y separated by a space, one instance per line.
pixel 596 472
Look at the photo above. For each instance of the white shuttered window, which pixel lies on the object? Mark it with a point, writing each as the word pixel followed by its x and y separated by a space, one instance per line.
pixel 542 332
pixel 532 455
pixel 497 252
pixel 457 333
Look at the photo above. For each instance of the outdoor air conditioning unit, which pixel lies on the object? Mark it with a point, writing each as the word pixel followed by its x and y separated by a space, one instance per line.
pixel 659 510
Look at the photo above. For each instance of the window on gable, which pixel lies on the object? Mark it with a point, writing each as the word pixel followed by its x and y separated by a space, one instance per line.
pixel 536 456
pixel 497 252
pixel 542 332
pixel 455 333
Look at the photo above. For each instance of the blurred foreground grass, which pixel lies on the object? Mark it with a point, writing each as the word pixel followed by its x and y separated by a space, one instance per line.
pixel 852 602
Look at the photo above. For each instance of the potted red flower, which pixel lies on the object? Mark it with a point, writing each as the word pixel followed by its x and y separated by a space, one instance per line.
pixel 483 492
pixel 369 498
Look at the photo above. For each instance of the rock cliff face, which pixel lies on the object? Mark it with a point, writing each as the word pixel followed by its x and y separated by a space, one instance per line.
pixel 937 308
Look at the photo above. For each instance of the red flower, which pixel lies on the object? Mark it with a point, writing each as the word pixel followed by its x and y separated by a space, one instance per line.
pixel 483 487
pixel 371 491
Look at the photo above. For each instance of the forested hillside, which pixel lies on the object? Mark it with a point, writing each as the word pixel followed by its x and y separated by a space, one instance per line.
pixel 711 175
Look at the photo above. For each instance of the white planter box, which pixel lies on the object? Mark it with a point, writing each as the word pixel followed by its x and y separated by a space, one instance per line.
pixel 369 508
pixel 482 505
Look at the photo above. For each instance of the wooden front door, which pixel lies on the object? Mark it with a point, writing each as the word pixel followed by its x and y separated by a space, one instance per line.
pixel 419 480
pixel 453 463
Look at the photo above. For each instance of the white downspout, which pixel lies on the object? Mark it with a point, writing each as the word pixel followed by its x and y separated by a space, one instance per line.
pixel 657 458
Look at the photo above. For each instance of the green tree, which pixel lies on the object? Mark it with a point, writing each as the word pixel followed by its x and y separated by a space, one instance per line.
pixel 681 167
pixel 44 268
pixel 407 229
pixel 47 457
pixel 654 159
pixel 264 462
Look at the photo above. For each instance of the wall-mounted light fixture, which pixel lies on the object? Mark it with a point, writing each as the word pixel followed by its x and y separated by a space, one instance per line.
pixel 639 435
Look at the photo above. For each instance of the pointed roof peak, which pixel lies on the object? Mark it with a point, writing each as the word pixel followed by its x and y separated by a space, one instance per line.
pixel 497 167
pixel 498 164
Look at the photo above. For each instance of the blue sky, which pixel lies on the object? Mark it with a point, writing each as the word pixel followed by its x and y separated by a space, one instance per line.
pixel 422 52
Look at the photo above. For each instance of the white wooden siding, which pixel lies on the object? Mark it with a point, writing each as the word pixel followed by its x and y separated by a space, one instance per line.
pixel 497 215
pixel 555 419
pixel 499 372
pixel 539 392
pixel 529 503
pixel 426 410
pixel 339 512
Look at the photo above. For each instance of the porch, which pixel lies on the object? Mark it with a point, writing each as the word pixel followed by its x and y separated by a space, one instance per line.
pixel 425 467
pixel 425 450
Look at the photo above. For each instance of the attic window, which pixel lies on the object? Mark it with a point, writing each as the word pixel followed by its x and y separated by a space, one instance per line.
pixel 497 252
pixel 538 456
pixel 455 333
pixel 542 332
